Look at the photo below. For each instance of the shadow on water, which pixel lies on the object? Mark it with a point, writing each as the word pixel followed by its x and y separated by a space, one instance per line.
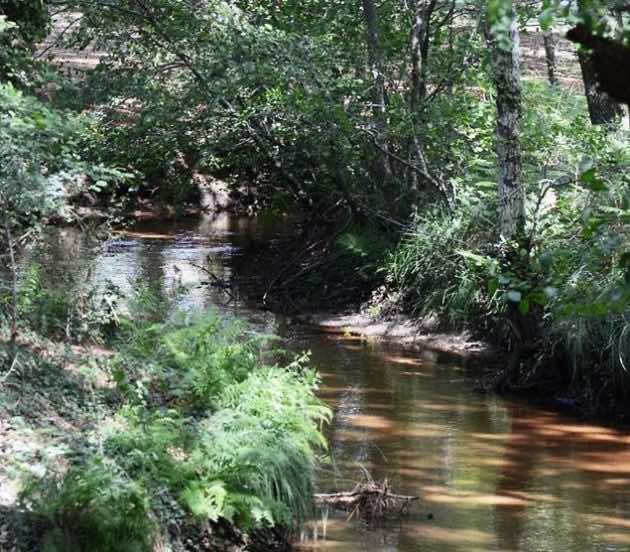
pixel 495 474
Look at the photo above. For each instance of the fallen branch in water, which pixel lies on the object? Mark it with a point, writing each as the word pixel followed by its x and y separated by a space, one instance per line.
pixel 217 282
pixel 370 501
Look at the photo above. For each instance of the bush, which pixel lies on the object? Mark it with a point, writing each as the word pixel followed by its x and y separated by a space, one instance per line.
pixel 190 359
pixel 259 449
pixel 87 313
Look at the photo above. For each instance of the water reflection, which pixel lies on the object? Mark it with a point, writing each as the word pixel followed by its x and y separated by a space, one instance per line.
pixel 494 474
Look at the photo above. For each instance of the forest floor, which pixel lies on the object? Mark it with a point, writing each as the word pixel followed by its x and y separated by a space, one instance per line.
pixel 51 408
pixel 534 61
pixel 47 408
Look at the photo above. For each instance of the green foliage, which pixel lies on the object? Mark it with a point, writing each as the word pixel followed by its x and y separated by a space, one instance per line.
pixel 22 24
pixel 257 91
pixel 362 248
pixel 439 264
pixel 206 432
pixel 40 166
pixel 29 18
pixel 87 314
pixel 340 267
pixel 257 450
pixel 563 284
pixel 190 360
pixel 214 356
pixel 35 153
pixel 93 506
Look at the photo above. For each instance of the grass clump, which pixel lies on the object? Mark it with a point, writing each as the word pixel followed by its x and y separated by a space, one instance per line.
pixel 434 274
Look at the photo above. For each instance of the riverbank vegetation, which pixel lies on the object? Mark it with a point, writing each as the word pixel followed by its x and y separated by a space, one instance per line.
pixel 458 160
pixel 183 433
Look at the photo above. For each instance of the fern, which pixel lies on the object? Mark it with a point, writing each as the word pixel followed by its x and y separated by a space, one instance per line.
pixel 263 442
pixel 206 426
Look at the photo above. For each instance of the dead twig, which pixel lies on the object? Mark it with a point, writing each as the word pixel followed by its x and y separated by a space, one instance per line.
pixel 217 282
pixel 370 501
pixel 12 369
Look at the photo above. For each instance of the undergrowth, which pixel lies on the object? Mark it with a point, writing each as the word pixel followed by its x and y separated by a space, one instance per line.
pixel 434 274
pixel 555 297
pixel 207 431
pixel 328 264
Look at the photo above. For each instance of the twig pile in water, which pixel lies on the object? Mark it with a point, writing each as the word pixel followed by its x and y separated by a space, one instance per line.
pixel 370 501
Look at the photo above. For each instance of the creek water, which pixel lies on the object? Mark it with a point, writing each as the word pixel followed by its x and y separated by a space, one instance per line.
pixel 492 474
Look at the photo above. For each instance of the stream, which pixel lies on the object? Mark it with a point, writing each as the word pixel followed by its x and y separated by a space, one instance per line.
pixel 492 474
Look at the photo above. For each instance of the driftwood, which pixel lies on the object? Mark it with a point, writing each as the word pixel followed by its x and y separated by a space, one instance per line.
pixel 370 501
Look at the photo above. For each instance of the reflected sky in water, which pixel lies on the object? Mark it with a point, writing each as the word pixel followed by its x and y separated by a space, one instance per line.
pixel 495 474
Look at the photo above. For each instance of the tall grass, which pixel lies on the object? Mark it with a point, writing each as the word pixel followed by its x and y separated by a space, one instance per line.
pixel 434 276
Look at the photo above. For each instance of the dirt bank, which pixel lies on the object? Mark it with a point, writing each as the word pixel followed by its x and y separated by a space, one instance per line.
pixel 400 329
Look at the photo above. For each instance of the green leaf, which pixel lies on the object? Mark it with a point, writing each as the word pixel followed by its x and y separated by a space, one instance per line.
pixel 5 25
pixel 486 185
pixel 493 285
pixel 523 306
pixel 545 19
pixel 550 292
pixel 206 502
pixel 590 180
pixel 479 260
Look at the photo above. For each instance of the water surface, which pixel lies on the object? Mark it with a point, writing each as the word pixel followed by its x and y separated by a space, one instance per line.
pixel 492 474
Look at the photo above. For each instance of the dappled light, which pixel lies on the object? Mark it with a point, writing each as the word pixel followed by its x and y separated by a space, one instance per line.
pixel 470 538
pixel 470 500
pixel 332 276
pixel 465 455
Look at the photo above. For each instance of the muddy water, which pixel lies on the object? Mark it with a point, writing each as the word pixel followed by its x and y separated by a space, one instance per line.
pixel 492 474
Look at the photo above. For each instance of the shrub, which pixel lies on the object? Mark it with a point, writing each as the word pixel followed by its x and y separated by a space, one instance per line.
pixel 189 359
pixel 87 313
pixel 258 451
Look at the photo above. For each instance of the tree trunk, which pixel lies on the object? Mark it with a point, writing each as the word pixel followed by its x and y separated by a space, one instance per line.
pixel 550 56
pixel 507 79
pixel 419 54
pixel 14 284
pixel 602 109
pixel 375 61
pixel 419 51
